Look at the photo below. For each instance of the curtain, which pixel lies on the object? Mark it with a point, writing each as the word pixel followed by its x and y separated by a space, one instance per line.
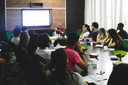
pixel 108 13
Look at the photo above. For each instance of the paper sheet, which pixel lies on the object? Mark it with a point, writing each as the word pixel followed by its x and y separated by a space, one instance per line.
pixel 94 78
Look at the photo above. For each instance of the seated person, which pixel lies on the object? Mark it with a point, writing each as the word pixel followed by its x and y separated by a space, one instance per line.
pixel 73 56
pixel 60 72
pixel 4 70
pixel 119 75
pixel 86 31
pixel 94 33
pixel 24 29
pixel 123 34
pixel 32 46
pixel 59 29
pixel 101 36
pixel 43 42
pixel 24 39
pixel 114 40
pixel 16 38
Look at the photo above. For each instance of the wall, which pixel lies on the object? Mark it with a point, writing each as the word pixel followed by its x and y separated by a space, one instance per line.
pixel 74 15
pixel 13 12
pixel 2 21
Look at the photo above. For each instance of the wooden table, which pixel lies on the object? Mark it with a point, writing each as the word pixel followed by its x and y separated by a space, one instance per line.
pixel 103 64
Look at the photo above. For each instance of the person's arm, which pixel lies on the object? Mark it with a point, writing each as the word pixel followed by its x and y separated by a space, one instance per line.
pixel 62 31
pixel 82 64
pixel 110 45
pixel 46 67
pixel 98 39
pixel 81 37
pixel 105 41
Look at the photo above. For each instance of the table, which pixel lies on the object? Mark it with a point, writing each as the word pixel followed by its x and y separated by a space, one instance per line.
pixel 103 64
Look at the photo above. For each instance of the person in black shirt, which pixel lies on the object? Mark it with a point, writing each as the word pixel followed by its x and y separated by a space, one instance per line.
pixel 123 34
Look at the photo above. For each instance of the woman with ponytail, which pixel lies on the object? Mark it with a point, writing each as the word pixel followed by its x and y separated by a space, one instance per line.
pixel 86 31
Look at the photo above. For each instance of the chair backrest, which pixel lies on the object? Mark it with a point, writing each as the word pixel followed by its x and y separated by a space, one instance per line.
pixel 22 56
pixel 65 32
pixel 9 35
pixel 62 42
pixel 125 44
pixel 36 58
pixel 79 31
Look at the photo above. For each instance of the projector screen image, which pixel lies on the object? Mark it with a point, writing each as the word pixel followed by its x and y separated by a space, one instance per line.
pixel 35 18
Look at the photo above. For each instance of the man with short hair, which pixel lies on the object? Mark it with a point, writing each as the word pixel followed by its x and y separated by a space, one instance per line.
pixel 73 56
pixel 24 29
pixel 123 34
pixel 59 29
pixel 94 33
pixel 16 38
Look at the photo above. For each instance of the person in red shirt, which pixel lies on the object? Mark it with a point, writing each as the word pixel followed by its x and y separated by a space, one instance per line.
pixel 59 29
pixel 73 57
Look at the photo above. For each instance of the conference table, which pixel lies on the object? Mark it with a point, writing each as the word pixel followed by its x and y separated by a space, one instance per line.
pixel 104 63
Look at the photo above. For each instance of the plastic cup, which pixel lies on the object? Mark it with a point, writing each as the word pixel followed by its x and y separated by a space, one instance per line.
pixel 91 43
pixel 105 48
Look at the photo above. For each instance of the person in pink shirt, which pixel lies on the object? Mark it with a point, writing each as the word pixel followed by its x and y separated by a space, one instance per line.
pixel 59 29
pixel 73 56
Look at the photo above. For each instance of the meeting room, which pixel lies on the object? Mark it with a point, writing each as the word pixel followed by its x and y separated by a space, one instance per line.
pixel 63 42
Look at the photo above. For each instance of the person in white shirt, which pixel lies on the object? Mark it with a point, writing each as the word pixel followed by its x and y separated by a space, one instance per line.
pixel 16 38
pixel 86 31
pixel 56 69
pixel 43 42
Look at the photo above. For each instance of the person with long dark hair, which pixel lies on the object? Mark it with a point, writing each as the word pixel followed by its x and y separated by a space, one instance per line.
pixel 86 31
pixel 114 40
pixel 43 42
pixel 24 39
pixel 60 72
pixel 32 46
pixel 119 75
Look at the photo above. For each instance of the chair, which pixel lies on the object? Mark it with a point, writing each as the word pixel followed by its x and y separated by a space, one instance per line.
pixel 62 42
pixel 65 32
pixel 9 35
pixel 79 31
pixel 38 62
pixel 22 56
pixel 125 44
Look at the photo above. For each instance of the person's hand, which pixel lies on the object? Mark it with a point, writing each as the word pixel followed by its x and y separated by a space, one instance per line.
pixel 90 40
pixel 79 49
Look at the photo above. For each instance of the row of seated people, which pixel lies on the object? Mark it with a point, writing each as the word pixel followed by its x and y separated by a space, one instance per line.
pixel 110 38
pixel 60 66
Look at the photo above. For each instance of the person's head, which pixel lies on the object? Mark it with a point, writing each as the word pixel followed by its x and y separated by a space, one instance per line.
pixel 119 75
pixel 24 39
pixel 95 26
pixel 72 39
pixel 120 26
pixel 113 34
pixel 24 29
pixel 16 32
pixel 102 32
pixel 86 28
pixel 59 61
pixel 32 46
pixel 43 40
pixel 59 24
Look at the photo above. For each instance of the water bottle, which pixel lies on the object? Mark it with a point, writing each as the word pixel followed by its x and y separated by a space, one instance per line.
pixel 58 46
pixel 85 41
